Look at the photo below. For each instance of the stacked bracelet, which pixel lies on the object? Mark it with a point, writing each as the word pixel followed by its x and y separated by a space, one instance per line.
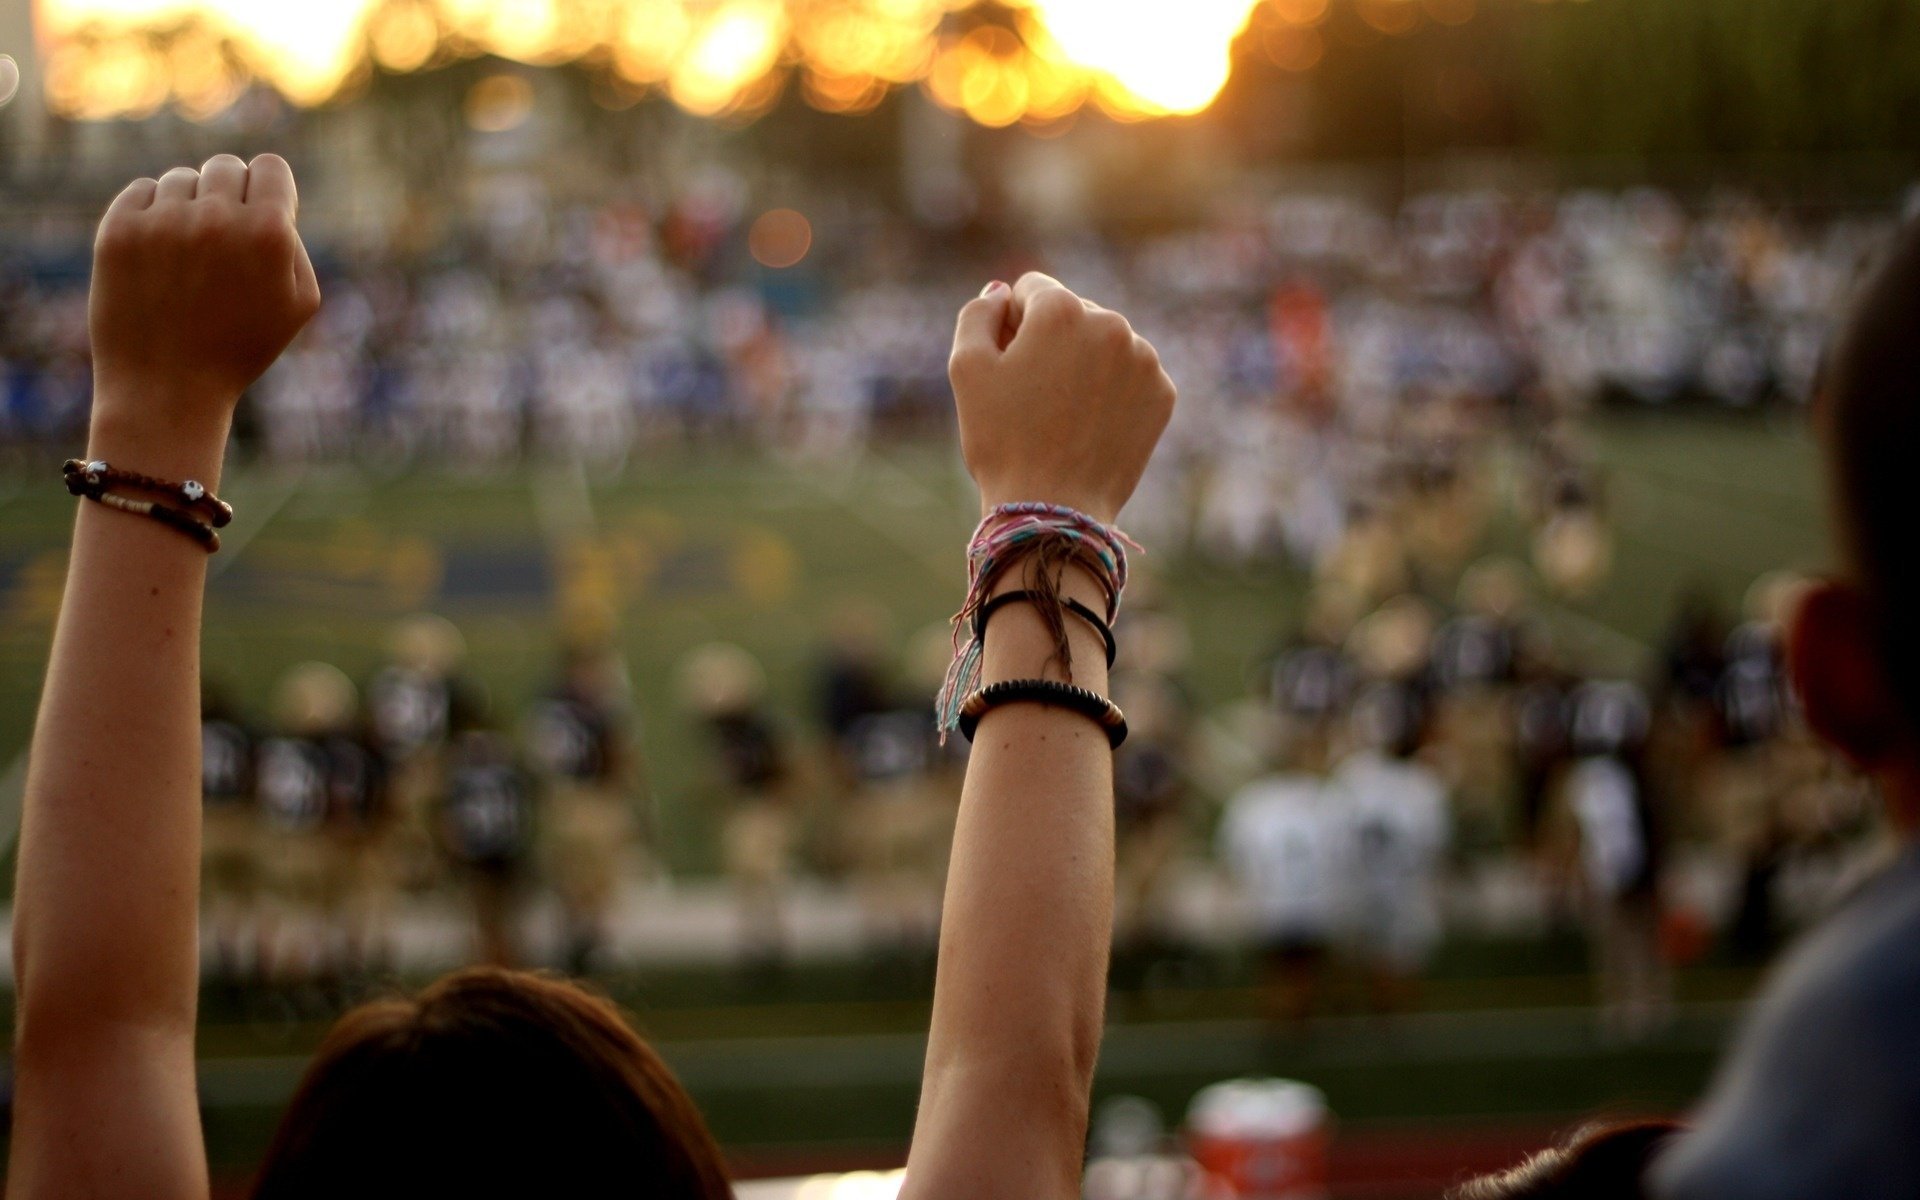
pixel 200 515
pixel 1042 540
pixel 191 493
pixel 985 613
pixel 1092 705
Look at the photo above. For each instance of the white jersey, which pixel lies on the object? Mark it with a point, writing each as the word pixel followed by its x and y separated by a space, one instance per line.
pixel 1395 815
pixel 1613 837
pixel 1394 833
pixel 1281 842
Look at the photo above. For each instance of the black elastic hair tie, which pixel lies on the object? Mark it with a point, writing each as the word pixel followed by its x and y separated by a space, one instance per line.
pixel 985 613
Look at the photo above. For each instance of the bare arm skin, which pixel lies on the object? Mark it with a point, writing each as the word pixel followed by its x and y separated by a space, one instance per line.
pixel 199 282
pixel 1059 401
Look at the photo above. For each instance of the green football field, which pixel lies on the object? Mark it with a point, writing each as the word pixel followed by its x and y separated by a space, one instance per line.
pixel 740 546
pixel 821 1065
pixel 700 546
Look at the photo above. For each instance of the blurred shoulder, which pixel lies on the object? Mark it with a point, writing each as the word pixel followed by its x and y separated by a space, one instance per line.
pixel 1819 1097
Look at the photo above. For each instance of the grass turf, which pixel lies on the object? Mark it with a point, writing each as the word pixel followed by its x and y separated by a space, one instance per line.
pixel 736 546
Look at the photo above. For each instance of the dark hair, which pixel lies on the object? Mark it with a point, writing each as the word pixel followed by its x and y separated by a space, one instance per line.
pixel 1600 1162
pixel 1869 407
pixel 491 1082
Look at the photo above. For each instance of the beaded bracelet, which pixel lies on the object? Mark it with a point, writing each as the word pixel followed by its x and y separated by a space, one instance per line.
pixel 87 482
pixel 985 613
pixel 171 517
pixel 194 494
pixel 1090 704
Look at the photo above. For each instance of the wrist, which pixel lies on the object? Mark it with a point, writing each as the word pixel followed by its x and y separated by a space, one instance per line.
pixel 158 439
pixel 992 497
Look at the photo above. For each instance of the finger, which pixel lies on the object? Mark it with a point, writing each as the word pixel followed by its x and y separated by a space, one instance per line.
pixel 1040 300
pixel 176 186
pixel 133 198
pixel 1029 286
pixel 223 176
pixel 306 285
pixel 270 181
pixel 981 329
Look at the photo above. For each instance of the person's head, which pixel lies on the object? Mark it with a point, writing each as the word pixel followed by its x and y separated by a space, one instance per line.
pixel 1602 1162
pixel 314 698
pixel 1854 641
pixel 491 1082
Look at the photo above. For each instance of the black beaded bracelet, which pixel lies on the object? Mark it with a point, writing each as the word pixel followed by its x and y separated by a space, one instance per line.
pixel 985 613
pixel 1092 705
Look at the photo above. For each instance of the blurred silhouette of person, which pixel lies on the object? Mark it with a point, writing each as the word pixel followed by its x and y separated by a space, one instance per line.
pixel 414 704
pixel 1685 741
pixel 1572 548
pixel 1476 656
pixel 724 687
pixel 320 785
pixel 579 739
pixel 1395 830
pixel 1818 1097
pixel 1755 705
pixel 1280 838
pixel 486 823
pixel 853 681
pixel 1613 827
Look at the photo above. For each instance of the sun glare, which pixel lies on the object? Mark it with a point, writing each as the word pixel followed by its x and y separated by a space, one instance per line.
pixel 1038 64
pixel 1164 58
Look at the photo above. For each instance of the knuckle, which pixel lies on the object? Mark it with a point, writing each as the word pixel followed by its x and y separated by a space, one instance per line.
pixel 966 363
pixel 119 238
pixel 203 229
pixel 1055 307
pixel 269 237
pixel 1113 329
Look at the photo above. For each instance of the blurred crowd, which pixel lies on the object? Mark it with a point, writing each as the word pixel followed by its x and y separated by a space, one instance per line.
pixel 1362 394
pixel 592 332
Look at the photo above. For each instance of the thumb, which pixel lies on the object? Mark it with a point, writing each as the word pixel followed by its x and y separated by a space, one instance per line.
pixel 981 330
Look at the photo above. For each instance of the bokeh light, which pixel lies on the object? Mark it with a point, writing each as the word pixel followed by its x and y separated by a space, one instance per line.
pixel 1014 61
pixel 780 238
pixel 9 78
pixel 499 103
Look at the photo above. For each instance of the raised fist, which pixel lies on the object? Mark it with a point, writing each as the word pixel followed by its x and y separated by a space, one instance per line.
pixel 1059 400
pixel 199 282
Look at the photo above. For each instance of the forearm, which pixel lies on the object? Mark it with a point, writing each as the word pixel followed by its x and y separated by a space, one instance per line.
pixel 1027 920
pixel 106 894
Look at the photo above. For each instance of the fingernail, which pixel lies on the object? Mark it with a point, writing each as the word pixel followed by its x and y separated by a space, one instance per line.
pixel 990 289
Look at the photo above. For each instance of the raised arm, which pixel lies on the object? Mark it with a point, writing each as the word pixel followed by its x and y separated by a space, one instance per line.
pixel 1059 401
pixel 199 282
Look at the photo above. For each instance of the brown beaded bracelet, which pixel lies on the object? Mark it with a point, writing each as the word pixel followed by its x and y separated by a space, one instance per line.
pixel 1089 704
pixel 194 494
pixel 83 481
